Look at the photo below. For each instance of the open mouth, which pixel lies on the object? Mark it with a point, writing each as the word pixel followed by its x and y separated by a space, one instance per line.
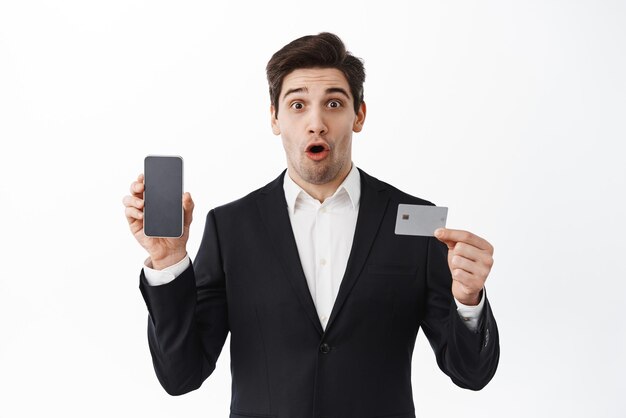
pixel 317 151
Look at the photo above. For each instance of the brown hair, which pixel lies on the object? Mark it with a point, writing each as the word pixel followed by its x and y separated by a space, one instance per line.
pixel 325 50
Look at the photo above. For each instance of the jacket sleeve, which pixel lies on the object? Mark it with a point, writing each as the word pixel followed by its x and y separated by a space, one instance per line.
pixel 469 358
pixel 188 318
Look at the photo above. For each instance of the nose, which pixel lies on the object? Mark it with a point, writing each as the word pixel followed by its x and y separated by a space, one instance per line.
pixel 316 124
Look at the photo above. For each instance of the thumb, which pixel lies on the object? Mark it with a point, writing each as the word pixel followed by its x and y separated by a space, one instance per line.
pixel 188 206
pixel 441 235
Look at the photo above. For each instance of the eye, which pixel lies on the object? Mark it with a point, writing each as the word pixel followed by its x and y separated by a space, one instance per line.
pixel 334 104
pixel 297 105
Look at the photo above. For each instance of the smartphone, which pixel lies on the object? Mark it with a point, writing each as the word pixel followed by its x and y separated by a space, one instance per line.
pixel 163 196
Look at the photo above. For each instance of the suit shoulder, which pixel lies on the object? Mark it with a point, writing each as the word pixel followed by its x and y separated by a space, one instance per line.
pixel 394 193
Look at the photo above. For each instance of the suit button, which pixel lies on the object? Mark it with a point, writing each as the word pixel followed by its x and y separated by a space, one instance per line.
pixel 325 348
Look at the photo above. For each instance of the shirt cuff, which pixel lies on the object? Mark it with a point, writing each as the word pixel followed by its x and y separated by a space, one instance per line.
pixel 471 314
pixel 160 277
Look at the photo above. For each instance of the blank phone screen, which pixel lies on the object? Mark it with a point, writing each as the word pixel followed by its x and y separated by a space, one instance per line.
pixel 163 208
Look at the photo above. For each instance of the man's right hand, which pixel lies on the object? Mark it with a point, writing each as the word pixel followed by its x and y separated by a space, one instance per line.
pixel 164 252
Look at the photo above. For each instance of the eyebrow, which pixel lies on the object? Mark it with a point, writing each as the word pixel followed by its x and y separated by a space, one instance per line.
pixel 328 91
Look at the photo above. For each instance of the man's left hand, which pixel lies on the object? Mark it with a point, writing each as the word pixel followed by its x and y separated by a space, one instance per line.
pixel 470 259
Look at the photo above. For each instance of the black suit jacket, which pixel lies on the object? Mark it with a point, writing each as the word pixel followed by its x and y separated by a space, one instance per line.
pixel 247 279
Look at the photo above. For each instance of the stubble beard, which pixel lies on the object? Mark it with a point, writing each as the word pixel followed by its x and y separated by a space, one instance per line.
pixel 321 172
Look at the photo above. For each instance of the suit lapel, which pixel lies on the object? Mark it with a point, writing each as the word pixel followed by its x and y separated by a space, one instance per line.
pixel 374 200
pixel 274 212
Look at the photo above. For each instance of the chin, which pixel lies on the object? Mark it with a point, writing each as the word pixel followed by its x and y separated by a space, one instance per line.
pixel 320 174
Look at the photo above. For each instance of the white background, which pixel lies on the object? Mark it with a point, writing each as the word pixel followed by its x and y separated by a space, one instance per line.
pixel 510 113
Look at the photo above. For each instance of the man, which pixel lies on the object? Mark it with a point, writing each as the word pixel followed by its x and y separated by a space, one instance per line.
pixel 322 299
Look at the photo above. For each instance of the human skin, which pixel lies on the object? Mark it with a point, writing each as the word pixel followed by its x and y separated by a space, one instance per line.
pixel 316 110
pixel 163 252
pixel 316 120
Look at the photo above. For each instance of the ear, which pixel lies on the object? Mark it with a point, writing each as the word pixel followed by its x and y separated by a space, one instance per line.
pixel 274 121
pixel 360 118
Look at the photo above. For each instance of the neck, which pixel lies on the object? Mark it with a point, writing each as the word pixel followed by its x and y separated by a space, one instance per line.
pixel 321 192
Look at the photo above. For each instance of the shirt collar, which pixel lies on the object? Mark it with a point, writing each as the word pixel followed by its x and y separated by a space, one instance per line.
pixel 350 185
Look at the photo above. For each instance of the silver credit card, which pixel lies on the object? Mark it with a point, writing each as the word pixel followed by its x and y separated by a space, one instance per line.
pixel 420 220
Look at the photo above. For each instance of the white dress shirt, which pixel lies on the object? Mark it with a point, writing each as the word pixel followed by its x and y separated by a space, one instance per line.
pixel 324 234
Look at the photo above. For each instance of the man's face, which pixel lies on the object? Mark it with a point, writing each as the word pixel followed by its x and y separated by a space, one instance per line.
pixel 316 119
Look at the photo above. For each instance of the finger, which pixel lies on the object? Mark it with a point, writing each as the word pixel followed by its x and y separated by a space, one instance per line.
pixel 477 269
pixel 188 206
pixel 468 251
pixel 451 236
pixel 137 189
pixel 460 262
pixel 483 258
pixel 440 235
pixel 467 280
pixel 133 214
pixel 132 201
